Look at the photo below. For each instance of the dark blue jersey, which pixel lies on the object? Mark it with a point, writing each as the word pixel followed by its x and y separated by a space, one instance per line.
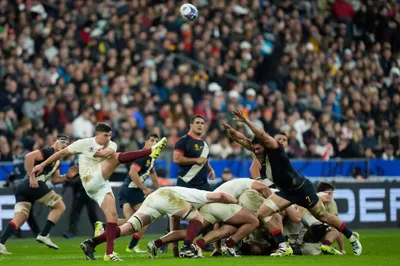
pixel 282 172
pixel 191 147
pixel 145 165
pixel 50 169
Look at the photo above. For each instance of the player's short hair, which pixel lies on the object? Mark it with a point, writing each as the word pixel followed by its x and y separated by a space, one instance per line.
pixel 325 186
pixel 152 135
pixel 281 133
pixel 196 116
pixel 63 137
pixel 256 140
pixel 102 127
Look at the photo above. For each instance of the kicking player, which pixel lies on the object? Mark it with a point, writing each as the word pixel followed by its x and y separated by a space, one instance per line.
pixel 295 188
pixel 97 161
pixel 34 189
pixel 134 191
pixel 178 202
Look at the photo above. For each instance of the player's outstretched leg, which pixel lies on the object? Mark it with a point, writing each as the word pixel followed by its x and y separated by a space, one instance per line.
pixel 153 152
pixel 321 214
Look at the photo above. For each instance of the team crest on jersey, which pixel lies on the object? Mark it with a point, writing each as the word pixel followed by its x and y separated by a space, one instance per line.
pixel 91 149
pixel 197 147
pixel 148 162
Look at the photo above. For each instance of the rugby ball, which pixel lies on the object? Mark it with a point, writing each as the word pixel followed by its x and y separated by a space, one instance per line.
pixel 189 12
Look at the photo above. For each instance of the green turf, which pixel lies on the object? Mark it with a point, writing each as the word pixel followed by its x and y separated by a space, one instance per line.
pixel 380 248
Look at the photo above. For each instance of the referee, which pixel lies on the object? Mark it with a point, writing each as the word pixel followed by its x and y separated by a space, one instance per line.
pixel 191 154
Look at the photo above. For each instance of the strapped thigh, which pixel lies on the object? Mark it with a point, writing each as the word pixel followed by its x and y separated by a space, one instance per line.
pixel 20 207
pixel 50 199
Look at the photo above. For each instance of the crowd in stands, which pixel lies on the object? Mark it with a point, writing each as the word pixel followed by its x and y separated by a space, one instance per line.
pixel 326 72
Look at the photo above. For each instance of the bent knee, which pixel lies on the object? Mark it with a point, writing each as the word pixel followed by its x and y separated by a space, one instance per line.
pixel 61 206
pixel 254 222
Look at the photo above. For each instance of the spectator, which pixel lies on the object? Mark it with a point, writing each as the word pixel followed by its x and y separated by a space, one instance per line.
pixel 226 176
pixel 33 108
pixel 290 65
pixel 82 127
pixel 324 148
pixel 389 153
pixel 222 149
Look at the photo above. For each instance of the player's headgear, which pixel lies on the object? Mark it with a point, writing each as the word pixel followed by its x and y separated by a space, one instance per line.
pixel 63 137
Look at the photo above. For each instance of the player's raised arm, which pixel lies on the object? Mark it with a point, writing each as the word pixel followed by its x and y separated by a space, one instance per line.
pixel 263 136
pixel 53 158
pixel 238 137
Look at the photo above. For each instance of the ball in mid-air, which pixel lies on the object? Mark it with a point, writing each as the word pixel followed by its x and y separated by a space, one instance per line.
pixel 189 12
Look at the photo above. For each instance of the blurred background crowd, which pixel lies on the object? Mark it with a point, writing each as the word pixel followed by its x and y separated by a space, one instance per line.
pixel 326 72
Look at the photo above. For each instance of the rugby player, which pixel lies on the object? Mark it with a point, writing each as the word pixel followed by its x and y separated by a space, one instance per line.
pixel 237 223
pixel 34 189
pixel 294 188
pixel 178 202
pixel 133 191
pixel 97 161
pixel 191 154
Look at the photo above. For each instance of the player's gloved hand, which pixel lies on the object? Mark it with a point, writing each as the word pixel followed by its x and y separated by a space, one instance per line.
pixel 201 160
pixel 33 183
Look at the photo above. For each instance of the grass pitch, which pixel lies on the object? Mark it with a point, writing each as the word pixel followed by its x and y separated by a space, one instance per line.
pixel 380 247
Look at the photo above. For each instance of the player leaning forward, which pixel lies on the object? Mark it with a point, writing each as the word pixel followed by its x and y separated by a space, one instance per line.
pixel 295 188
pixel 179 202
pixel 97 161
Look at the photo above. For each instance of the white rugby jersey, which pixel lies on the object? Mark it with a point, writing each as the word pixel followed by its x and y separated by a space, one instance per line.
pixel 85 149
pixel 235 187
pixel 196 197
